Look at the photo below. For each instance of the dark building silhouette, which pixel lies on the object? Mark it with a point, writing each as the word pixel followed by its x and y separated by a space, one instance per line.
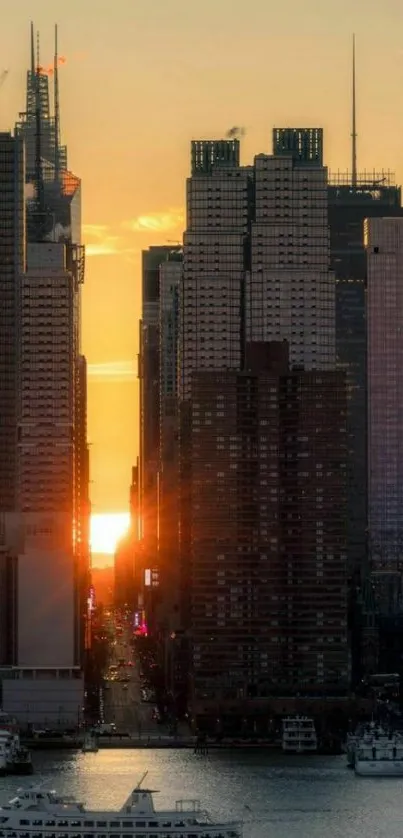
pixel 157 361
pixel 373 196
pixel 267 564
pixel 12 262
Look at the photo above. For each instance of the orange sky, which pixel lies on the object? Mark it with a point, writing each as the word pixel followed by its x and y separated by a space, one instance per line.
pixel 141 80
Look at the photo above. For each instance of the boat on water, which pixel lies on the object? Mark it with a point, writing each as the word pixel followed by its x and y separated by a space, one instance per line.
pixel 299 735
pixel 367 737
pixel 21 761
pixel 381 757
pixel 14 757
pixel 90 745
pixel 37 811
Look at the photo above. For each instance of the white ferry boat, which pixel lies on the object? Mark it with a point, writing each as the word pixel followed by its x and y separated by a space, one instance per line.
pixel 381 757
pixel 299 735
pixel 364 735
pixel 38 813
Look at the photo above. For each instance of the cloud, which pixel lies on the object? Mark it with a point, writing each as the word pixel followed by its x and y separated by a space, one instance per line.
pixel 96 231
pixel 156 222
pixel 101 242
pixel 109 247
pixel 113 371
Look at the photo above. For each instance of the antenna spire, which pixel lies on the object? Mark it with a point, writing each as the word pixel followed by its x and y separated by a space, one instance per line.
pixel 40 196
pixel 56 107
pixel 32 49
pixel 354 133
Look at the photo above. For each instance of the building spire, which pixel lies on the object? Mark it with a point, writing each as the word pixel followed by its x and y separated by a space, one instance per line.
pixel 32 49
pixel 354 120
pixel 40 196
pixel 56 107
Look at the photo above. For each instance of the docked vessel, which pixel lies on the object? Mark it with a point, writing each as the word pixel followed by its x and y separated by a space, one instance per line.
pixel 299 735
pixel 21 761
pixel 380 757
pixel 90 744
pixel 38 811
pixel 14 757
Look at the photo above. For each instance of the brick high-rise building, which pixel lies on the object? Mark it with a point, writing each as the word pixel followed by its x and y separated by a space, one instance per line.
pixel 267 555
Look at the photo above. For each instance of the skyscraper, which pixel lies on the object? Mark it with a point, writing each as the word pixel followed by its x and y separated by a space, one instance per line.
pixel 12 257
pixel 150 383
pixel 52 505
pixel 354 196
pixel 261 480
pixel 384 243
pixel 267 576
pixel 171 273
pixel 372 196
pixel 212 293
pixel 290 290
pixel 46 456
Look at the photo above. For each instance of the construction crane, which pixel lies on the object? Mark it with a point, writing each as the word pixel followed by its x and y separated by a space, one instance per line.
pixel 3 77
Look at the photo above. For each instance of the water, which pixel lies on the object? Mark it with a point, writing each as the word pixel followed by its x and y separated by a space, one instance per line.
pixel 286 797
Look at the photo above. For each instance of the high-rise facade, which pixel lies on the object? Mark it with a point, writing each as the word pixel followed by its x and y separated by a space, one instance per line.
pixel 256 255
pixel 12 259
pixel 52 468
pixel 384 244
pixel 267 572
pixel 170 282
pixel 46 459
pixel 259 487
pixel 213 288
pixel 151 377
pixel 290 288
pixel 372 195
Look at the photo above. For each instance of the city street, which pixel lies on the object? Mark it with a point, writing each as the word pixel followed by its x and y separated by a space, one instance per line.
pixel 122 700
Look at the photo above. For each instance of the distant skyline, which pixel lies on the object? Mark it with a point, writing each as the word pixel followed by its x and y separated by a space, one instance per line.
pixel 140 81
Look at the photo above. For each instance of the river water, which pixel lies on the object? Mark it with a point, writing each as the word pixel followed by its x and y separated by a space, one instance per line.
pixel 276 796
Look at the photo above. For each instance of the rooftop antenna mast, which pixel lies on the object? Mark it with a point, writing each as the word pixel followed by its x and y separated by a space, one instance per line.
pixel 40 193
pixel 354 134
pixel 56 108
pixel 32 49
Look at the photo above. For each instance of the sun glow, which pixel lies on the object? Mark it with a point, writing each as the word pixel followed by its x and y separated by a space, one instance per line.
pixel 106 531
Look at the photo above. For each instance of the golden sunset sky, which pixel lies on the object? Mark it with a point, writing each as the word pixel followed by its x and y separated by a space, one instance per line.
pixel 144 77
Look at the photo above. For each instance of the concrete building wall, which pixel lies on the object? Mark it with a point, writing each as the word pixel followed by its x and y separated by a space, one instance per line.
pixel 44 699
pixel 46 608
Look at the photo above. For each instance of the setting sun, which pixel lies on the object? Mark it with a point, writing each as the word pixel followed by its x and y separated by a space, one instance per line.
pixel 106 531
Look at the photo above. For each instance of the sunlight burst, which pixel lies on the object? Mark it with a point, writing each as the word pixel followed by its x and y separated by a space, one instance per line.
pixel 106 531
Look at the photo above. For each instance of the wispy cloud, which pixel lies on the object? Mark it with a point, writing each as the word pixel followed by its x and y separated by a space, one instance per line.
pixel 109 247
pixel 96 231
pixel 113 371
pixel 155 222
pixel 101 242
